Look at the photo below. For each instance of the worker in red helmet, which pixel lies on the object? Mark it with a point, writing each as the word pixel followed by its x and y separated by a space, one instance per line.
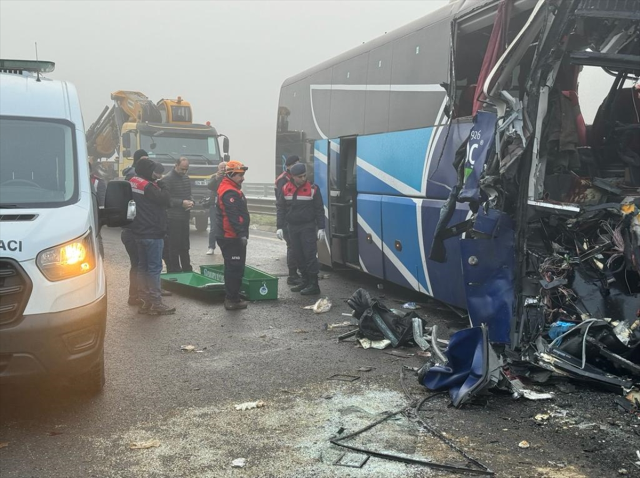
pixel 232 232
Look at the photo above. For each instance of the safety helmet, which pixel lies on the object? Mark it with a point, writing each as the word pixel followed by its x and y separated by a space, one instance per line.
pixel 235 167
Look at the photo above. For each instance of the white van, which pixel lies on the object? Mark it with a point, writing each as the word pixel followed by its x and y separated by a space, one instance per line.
pixel 53 303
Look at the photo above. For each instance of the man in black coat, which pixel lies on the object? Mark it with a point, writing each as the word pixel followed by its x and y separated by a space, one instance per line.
pixel 178 185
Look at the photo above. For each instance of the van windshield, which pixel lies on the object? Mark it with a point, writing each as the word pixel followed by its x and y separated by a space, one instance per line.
pixel 37 163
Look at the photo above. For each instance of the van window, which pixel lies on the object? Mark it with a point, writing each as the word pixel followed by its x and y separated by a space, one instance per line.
pixel 37 163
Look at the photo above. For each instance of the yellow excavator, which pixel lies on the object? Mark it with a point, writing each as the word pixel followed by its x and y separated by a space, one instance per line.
pixel 166 131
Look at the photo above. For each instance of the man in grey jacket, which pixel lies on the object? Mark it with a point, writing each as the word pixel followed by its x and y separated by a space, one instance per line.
pixel 178 184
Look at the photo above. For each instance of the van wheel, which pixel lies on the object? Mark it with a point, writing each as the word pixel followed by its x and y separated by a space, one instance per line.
pixel 92 381
pixel 201 223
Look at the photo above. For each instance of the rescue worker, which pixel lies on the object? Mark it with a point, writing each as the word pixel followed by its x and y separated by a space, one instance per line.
pixel 232 232
pixel 149 228
pixel 283 231
pixel 178 184
pixel 305 221
pixel 213 184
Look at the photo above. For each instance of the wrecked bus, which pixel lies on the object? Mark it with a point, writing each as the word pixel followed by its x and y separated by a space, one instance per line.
pixel 454 160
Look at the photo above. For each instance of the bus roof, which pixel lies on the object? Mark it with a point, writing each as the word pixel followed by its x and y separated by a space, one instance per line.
pixel 459 8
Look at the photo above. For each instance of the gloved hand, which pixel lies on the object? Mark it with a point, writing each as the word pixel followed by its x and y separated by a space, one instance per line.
pixel 280 234
pixel 244 241
pixel 321 234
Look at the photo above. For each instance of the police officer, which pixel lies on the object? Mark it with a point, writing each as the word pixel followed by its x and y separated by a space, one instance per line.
pixel 232 232
pixel 305 221
pixel 283 231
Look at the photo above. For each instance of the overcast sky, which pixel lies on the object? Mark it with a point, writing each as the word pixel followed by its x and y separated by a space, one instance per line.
pixel 227 58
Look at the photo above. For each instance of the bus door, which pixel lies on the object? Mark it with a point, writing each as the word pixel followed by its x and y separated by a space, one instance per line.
pixel 342 201
pixel 321 179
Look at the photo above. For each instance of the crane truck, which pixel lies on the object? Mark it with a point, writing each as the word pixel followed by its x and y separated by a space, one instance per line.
pixel 166 131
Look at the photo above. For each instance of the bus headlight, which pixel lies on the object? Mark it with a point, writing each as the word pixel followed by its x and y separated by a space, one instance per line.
pixel 67 260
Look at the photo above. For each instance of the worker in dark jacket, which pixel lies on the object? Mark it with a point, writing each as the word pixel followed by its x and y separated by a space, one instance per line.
pixel 213 184
pixel 304 217
pixel 232 232
pixel 149 228
pixel 127 236
pixel 178 184
pixel 283 231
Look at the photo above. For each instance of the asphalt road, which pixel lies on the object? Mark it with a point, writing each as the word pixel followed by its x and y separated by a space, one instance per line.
pixel 275 352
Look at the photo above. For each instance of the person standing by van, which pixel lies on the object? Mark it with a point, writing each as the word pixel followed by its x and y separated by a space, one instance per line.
pixel 149 228
pixel 232 231
pixel 178 185
pixel 128 239
pixel 214 182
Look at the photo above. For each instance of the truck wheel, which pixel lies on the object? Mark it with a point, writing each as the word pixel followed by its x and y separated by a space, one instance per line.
pixel 201 223
pixel 92 381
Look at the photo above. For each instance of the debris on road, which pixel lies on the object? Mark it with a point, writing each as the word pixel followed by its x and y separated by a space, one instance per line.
pixel 524 444
pixel 340 325
pixel 321 306
pixel 250 405
pixel 239 463
pixel 4 444
pixel 374 344
pixel 352 460
pixel 366 369
pixel 343 377
pixel 187 348
pixel 410 306
pixel 377 322
pixel 143 445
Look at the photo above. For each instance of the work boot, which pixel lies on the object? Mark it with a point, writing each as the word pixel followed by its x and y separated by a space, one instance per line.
pixel 235 304
pixel 304 282
pixel 161 309
pixel 312 288
pixel 144 307
pixel 294 279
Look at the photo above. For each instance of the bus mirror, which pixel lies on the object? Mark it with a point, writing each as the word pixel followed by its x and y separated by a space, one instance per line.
pixel 153 145
pixel 226 158
pixel 225 145
pixel 126 140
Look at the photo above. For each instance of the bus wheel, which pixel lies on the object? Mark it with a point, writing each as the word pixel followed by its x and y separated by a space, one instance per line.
pixel 201 223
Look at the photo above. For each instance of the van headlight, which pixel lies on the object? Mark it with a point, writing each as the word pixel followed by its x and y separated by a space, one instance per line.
pixel 67 260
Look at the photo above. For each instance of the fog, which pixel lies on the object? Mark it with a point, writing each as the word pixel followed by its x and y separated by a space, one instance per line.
pixel 227 58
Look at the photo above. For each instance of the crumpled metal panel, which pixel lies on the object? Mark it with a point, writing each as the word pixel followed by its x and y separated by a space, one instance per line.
pixel 488 271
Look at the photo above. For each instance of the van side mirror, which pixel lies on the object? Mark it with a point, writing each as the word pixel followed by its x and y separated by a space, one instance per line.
pixel 225 145
pixel 116 201
pixel 226 158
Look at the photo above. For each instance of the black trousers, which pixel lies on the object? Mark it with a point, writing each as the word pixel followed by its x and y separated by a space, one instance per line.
pixel 130 245
pixel 305 248
pixel 235 257
pixel 292 261
pixel 177 258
